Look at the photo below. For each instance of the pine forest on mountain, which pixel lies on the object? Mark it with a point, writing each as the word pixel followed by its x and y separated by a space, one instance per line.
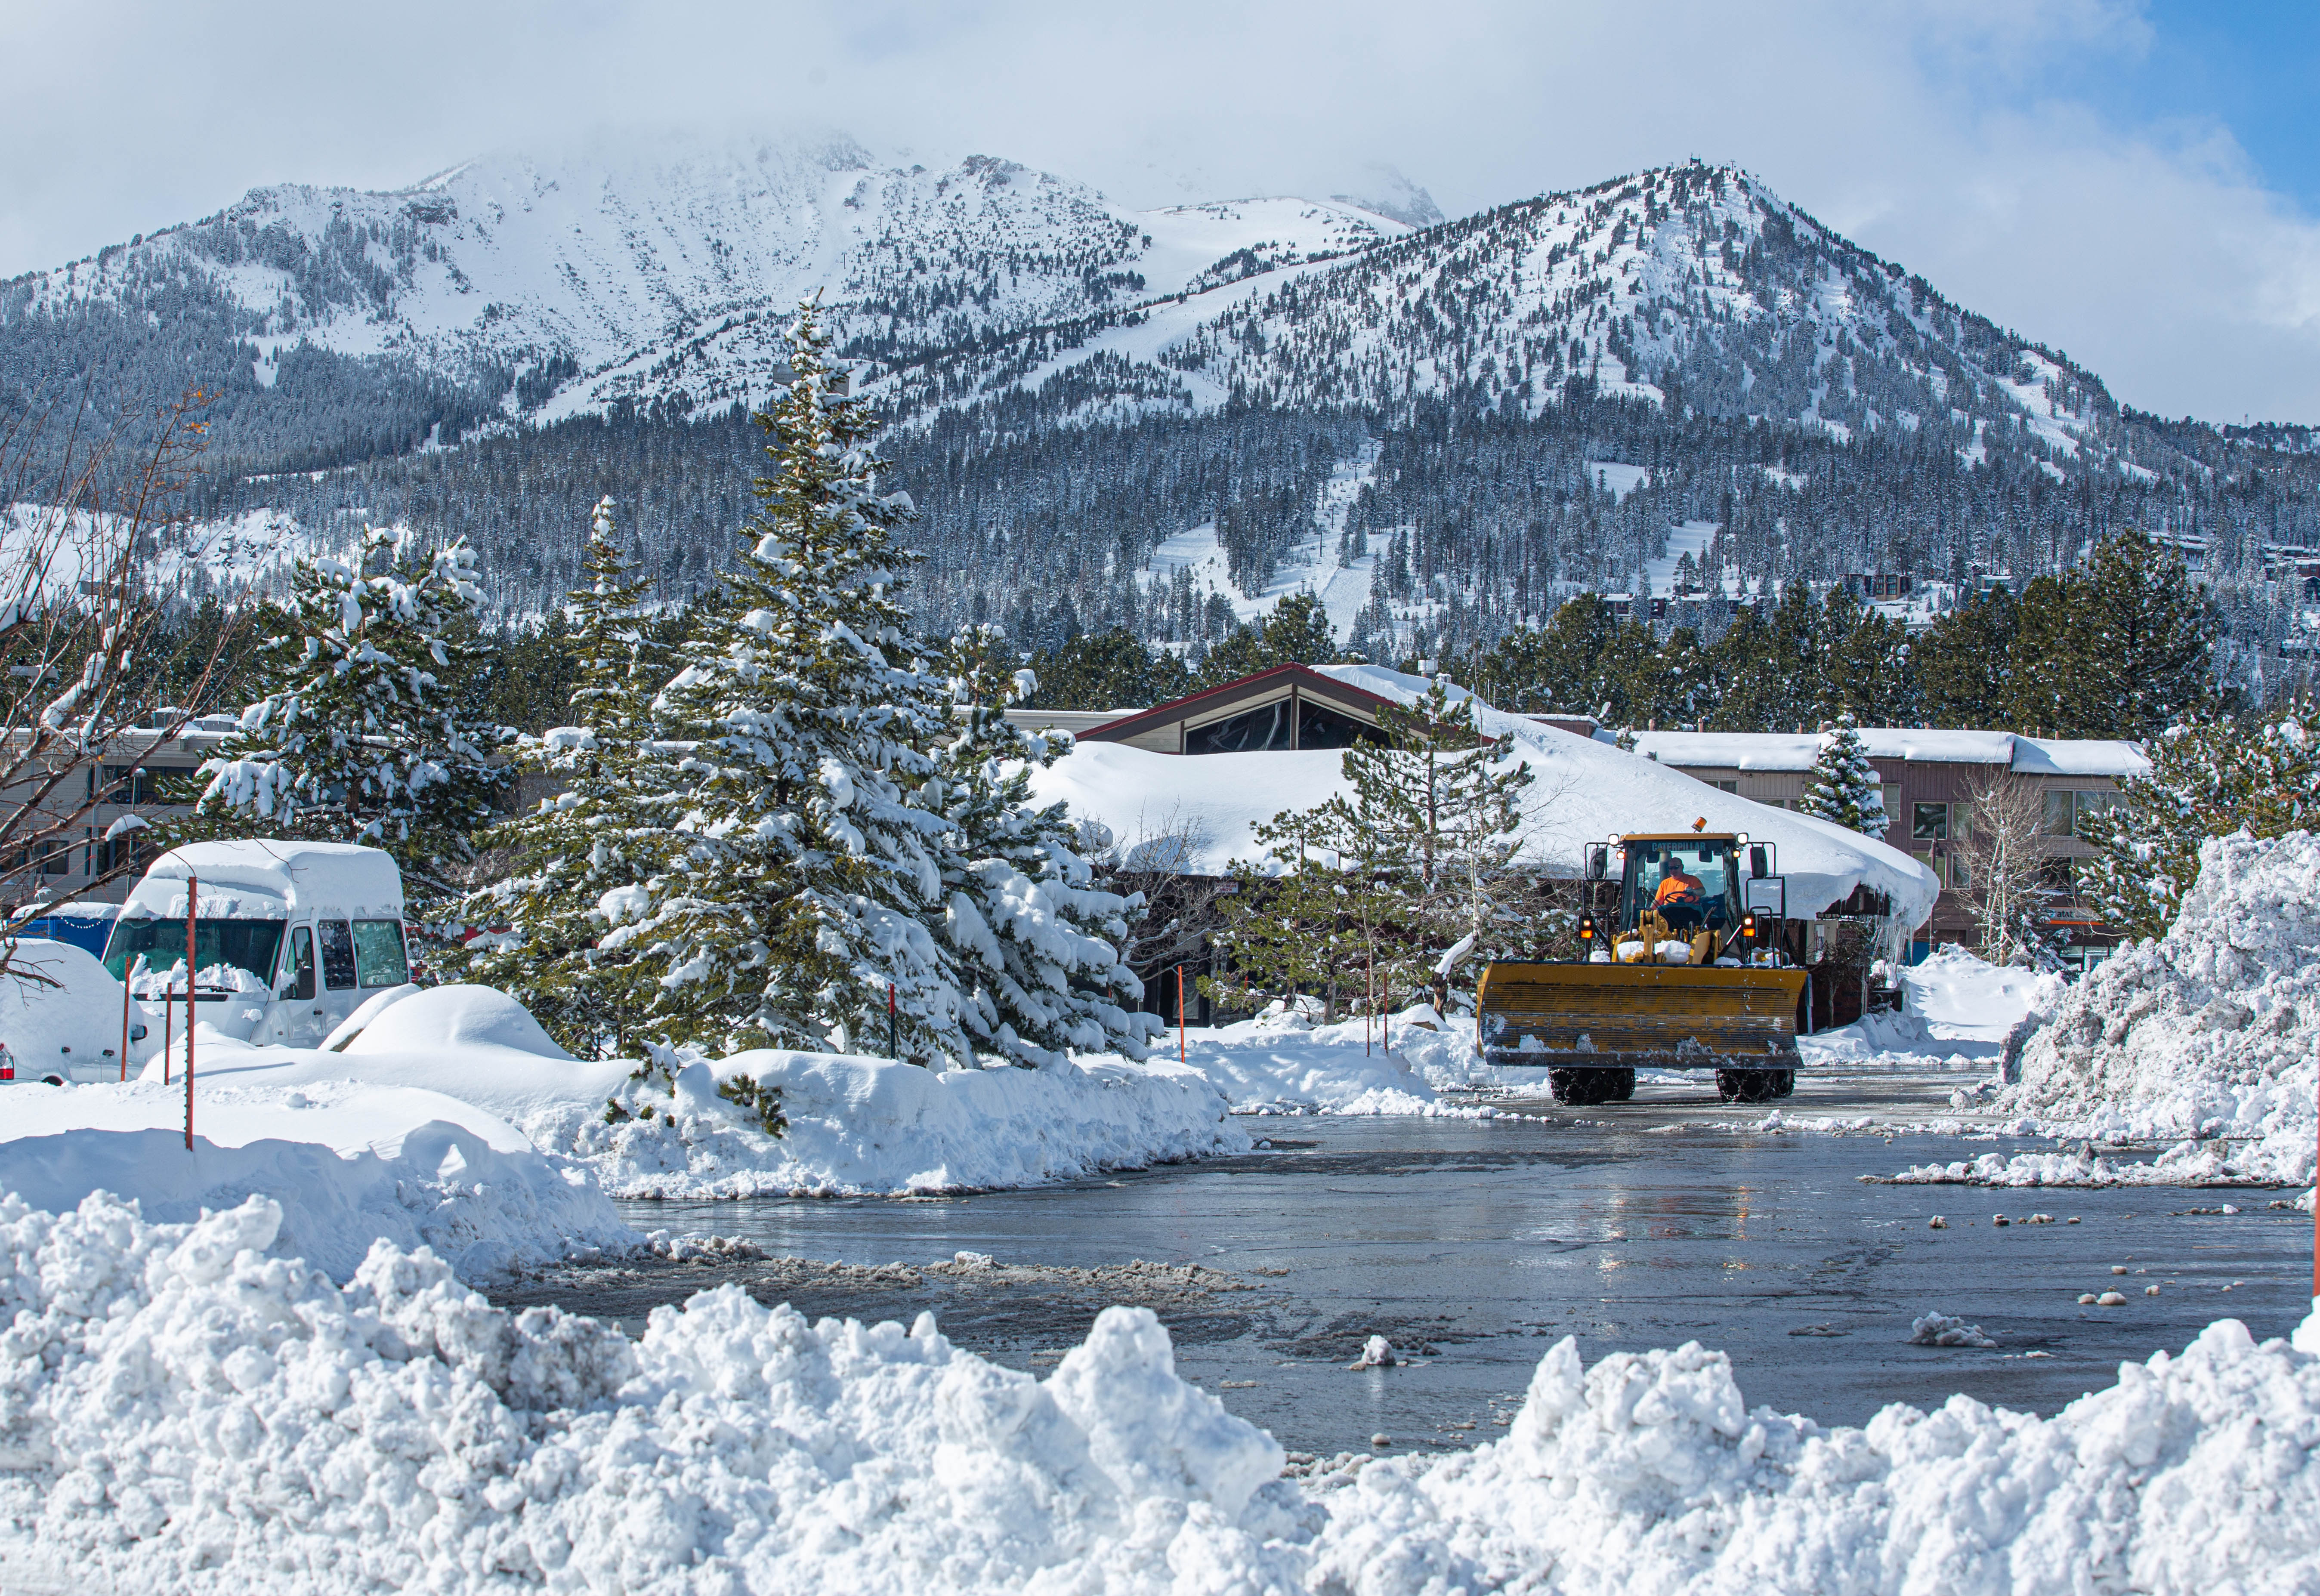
pixel 1828 414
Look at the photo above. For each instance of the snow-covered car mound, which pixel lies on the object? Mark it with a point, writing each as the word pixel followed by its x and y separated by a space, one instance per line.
pixel 60 1012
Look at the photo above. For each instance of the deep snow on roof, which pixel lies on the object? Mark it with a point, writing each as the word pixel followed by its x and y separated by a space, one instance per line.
pixel 270 879
pixel 1198 812
pixel 1782 750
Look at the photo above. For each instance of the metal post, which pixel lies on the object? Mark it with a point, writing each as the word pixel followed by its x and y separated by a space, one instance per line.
pixel 192 976
pixel 894 1031
pixel 168 1013
pixel 1369 998
pixel 1180 1053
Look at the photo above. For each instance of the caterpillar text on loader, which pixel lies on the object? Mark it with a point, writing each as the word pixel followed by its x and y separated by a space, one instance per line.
pixel 1689 973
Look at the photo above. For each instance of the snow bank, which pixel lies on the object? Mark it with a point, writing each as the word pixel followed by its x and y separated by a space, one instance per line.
pixel 350 1165
pixel 183 1409
pixel 871 1126
pixel 1962 997
pixel 1285 1062
pixel 2206 1037
pixel 856 1126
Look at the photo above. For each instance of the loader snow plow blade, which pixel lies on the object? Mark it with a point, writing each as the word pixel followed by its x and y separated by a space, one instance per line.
pixel 1627 1017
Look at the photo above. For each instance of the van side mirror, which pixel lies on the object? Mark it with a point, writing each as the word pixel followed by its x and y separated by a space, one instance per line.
pixel 136 1033
pixel 1759 860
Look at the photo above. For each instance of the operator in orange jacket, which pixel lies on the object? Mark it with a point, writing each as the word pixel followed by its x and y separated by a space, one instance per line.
pixel 1680 897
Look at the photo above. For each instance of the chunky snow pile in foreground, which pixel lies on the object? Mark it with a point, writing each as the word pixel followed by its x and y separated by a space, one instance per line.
pixel 350 1163
pixel 184 1410
pixel 2207 1035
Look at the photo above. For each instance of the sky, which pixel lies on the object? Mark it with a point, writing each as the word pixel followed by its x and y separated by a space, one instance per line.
pixel 2130 181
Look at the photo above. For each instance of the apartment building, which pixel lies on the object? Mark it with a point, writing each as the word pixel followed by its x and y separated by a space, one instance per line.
pixel 1928 777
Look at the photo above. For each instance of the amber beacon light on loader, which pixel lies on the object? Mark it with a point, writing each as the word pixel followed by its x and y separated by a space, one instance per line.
pixel 1688 973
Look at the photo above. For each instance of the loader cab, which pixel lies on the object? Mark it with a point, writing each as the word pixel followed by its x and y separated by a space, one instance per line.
pixel 1654 864
pixel 1699 885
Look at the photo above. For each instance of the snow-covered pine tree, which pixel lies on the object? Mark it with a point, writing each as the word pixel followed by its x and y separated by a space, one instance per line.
pixel 800 899
pixel 362 736
pixel 2209 777
pixel 1034 941
pixel 1842 786
pixel 605 830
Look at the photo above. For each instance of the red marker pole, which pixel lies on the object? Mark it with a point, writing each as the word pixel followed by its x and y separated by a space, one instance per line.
pixel 169 1014
pixel 128 971
pixel 192 975
pixel 894 1031
pixel 1180 1047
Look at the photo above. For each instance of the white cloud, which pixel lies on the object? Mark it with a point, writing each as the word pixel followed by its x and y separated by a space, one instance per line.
pixel 1930 132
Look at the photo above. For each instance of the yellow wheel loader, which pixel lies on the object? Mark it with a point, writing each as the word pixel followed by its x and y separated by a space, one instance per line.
pixel 1687 973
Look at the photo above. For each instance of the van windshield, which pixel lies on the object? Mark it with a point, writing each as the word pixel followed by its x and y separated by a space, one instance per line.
pixel 245 944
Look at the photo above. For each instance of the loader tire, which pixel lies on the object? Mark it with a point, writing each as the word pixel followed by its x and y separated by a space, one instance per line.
pixel 1581 1087
pixel 1747 1085
pixel 1623 1084
pixel 1784 1082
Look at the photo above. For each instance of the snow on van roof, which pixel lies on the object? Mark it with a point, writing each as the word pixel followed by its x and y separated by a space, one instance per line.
pixel 269 879
pixel 1197 811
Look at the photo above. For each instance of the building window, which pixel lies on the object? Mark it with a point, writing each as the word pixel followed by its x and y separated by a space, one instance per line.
pixel 1929 822
pixel 1732 787
pixel 1320 727
pixel 2067 808
pixel 132 786
pixel 1893 792
pixel 1247 733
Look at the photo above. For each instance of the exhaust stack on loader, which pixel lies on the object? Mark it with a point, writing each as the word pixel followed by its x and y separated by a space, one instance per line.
pixel 1687 974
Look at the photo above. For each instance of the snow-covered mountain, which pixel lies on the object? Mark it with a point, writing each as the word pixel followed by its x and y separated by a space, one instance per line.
pixel 649 272
pixel 1163 419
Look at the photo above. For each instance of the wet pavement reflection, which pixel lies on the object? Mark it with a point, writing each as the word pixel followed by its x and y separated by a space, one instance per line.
pixel 1473 1245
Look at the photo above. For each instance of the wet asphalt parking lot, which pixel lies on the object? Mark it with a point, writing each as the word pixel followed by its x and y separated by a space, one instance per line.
pixel 1473 1244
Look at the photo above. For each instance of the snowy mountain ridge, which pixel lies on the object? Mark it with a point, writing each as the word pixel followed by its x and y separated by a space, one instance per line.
pixel 666 273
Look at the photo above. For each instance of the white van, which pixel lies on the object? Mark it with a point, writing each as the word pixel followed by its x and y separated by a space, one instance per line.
pixel 289 938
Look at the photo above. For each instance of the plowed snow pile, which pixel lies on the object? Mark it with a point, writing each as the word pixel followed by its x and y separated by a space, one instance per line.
pixel 349 1163
pixel 1285 1061
pixel 856 1125
pixel 183 1412
pixel 2205 1037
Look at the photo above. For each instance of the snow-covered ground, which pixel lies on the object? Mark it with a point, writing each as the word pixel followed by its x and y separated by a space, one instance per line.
pixel 187 1410
pixel 471 1058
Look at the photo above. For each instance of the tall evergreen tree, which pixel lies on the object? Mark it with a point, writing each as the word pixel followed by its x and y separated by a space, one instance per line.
pixel 2209 777
pixel 361 735
pixel 2123 646
pixel 576 860
pixel 1033 942
pixel 1297 633
pixel 1293 925
pixel 1446 800
pixel 797 908
pixel 1842 786
pixel 1964 662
